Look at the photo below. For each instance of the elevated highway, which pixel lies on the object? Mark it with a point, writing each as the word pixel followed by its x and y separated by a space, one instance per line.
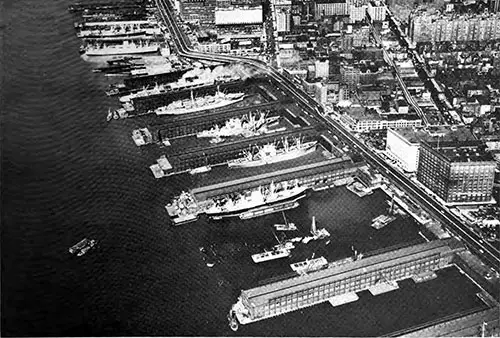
pixel 489 254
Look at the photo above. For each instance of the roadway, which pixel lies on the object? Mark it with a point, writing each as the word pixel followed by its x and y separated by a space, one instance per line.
pixel 485 250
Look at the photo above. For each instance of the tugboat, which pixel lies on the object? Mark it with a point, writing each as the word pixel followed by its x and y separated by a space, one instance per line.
pixel 287 226
pixel 89 246
pixel 110 115
pixel 278 251
pixel 78 246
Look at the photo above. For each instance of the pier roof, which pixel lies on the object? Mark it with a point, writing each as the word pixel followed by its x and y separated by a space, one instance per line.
pixel 261 294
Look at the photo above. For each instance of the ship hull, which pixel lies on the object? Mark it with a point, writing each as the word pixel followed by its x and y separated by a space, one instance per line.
pixel 301 193
pixel 121 51
pixel 197 109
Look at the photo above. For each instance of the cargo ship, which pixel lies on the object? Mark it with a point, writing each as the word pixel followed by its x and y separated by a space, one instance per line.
pixel 127 47
pixel 157 89
pixel 269 153
pixel 240 126
pixel 238 204
pixel 192 105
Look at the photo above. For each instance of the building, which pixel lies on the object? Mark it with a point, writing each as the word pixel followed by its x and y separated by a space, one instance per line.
pixel 328 8
pixel 198 11
pixel 376 10
pixel 426 27
pixel 343 278
pixel 322 68
pixel 283 19
pixel 457 172
pixel 360 120
pixel 357 13
pixel 494 6
pixel 238 16
pixel 403 144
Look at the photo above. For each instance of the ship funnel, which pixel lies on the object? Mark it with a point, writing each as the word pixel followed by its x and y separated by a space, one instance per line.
pixel 313 225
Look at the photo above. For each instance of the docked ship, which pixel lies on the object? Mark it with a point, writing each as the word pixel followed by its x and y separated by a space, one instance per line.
pixel 270 255
pixel 116 29
pixel 240 126
pixel 309 265
pixel 126 47
pixel 270 153
pixel 157 89
pixel 283 249
pixel 192 105
pixel 183 209
pixel 237 204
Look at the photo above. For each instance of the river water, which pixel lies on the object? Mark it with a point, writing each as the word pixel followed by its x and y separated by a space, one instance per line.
pixel 67 174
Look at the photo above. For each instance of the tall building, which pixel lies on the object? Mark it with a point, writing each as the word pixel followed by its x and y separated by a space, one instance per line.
pixel 425 27
pixel 457 172
pixel 198 11
pixel 325 8
pixel 322 68
pixel 377 10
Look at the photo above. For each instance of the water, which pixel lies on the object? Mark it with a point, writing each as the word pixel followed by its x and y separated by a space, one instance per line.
pixel 67 174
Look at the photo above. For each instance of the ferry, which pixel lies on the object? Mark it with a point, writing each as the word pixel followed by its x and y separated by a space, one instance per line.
pixel 236 204
pixel 269 153
pixel 192 105
pixel 127 47
pixel 307 266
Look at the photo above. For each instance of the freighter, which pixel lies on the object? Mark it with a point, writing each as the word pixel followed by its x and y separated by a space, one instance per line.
pixel 240 126
pixel 192 105
pixel 157 89
pixel 127 47
pixel 237 204
pixel 269 153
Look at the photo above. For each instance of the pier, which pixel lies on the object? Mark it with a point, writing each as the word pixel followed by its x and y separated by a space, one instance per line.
pixel 361 274
pixel 309 174
pixel 183 159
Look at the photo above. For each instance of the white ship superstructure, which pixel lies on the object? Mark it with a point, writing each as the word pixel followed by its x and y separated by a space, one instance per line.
pixel 236 204
pixel 240 126
pixel 270 153
pixel 126 47
pixel 192 105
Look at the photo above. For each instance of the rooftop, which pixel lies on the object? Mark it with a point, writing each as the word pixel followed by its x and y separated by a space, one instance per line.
pixel 468 151
pixel 414 135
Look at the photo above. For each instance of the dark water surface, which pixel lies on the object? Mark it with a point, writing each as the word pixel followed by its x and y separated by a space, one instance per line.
pixel 67 174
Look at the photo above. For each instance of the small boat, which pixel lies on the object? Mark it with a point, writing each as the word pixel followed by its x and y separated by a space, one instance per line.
pixel 200 170
pixel 285 227
pixel 283 249
pixel 78 246
pixel 90 244
pixel 309 265
pixel 110 115
pixel 270 255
